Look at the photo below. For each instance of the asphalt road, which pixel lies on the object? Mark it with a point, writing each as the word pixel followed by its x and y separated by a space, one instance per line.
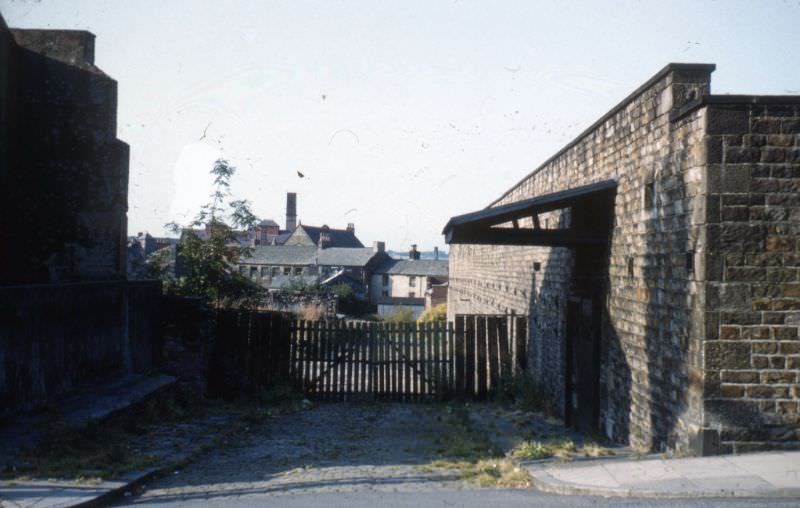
pixel 466 498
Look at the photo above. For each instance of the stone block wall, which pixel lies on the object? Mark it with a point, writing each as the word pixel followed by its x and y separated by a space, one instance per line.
pixel 652 327
pixel 752 351
pixel 56 338
pixel 700 348
pixel 65 177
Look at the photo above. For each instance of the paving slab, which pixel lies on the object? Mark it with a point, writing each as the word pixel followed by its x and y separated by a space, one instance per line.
pixel 756 475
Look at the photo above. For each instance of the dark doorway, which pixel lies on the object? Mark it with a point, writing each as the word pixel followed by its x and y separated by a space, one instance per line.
pixel 582 401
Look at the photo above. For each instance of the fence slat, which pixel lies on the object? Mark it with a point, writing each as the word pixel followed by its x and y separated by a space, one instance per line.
pixel 460 356
pixel 505 348
pixel 469 366
pixel 482 356
pixel 451 357
pixel 494 352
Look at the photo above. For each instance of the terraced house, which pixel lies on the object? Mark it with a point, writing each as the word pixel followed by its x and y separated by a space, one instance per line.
pixel 658 259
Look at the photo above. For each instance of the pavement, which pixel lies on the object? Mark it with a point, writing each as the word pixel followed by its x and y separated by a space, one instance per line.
pixel 77 410
pixel 754 475
pixel 383 454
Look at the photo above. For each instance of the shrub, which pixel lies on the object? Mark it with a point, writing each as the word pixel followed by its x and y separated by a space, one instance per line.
pixel 400 315
pixel 434 314
pixel 312 312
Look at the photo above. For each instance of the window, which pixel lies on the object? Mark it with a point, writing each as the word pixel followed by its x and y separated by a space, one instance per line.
pixel 253 272
pixel 298 270
pixel 276 270
pixel 649 194
pixel 384 293
pixel 412 281
pixel 242 269
pixel 385 279
pixel 690 262
pixel 264 271
pixel 287 270
pixel 630 267
pixel 411 294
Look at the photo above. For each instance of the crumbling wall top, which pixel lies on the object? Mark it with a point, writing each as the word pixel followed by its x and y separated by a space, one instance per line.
pixel 75 47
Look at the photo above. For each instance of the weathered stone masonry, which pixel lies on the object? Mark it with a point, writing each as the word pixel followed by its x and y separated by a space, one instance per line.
pixel 699 335
pixel 63 172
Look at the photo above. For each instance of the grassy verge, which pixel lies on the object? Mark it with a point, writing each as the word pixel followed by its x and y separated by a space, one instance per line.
pixel 563 449
pixel 133 440
pixel 468 451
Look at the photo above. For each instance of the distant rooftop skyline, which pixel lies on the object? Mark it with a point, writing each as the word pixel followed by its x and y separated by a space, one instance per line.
pixel 398 115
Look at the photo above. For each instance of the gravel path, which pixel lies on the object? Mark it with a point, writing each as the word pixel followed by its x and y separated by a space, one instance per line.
pixel 330 448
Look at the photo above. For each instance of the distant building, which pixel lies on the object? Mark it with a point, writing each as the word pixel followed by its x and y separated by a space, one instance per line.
pixel 324 237
pixel 276 266
pixel 404 283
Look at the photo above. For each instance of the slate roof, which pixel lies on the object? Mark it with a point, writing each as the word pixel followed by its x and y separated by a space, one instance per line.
pixel 428 267
pixel 282 237
pixel 268 222
pixel 339 237
pixel 304 255
pixel 340 256
pixel 292 255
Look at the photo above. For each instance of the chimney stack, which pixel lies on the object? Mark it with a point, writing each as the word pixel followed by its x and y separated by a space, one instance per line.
pixel 351 227
pixel 378 247
pixel 436 253
pixel 291 211
pixel 324 237
pixel 413 253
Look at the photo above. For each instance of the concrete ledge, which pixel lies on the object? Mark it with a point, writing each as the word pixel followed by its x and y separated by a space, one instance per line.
pixel 759 475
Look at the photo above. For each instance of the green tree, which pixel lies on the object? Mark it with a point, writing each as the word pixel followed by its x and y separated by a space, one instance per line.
pixel 207 261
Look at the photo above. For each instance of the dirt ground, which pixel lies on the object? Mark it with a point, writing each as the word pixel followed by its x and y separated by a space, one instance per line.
pixel 349 447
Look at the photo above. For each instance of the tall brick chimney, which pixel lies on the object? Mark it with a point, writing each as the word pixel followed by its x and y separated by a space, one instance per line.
pixel 291 211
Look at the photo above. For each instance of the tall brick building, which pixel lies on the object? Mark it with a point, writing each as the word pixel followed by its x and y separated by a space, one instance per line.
pixel 658 259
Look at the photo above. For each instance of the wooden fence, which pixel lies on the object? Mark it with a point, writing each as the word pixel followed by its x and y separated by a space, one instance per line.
pixel 337 360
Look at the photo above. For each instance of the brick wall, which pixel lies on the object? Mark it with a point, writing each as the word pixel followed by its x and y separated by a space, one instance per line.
pixel 752 350
pixel 653 322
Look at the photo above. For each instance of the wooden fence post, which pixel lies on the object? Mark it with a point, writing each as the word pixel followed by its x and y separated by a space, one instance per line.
pixel 469 357
pixel 521 338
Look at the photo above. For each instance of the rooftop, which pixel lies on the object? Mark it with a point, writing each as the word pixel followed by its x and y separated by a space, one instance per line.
pixel 428 267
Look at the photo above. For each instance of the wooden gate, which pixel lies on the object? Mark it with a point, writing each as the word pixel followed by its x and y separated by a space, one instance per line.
pixel 337 360
pixel 408 361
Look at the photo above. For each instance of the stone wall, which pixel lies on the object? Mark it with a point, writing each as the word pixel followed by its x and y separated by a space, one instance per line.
pixel 700 349
pixel 752 352
pixel 653 322
pixel 56 338
pixel 65 176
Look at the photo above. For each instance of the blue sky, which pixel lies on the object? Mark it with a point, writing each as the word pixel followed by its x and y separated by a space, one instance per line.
pixel 400 114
